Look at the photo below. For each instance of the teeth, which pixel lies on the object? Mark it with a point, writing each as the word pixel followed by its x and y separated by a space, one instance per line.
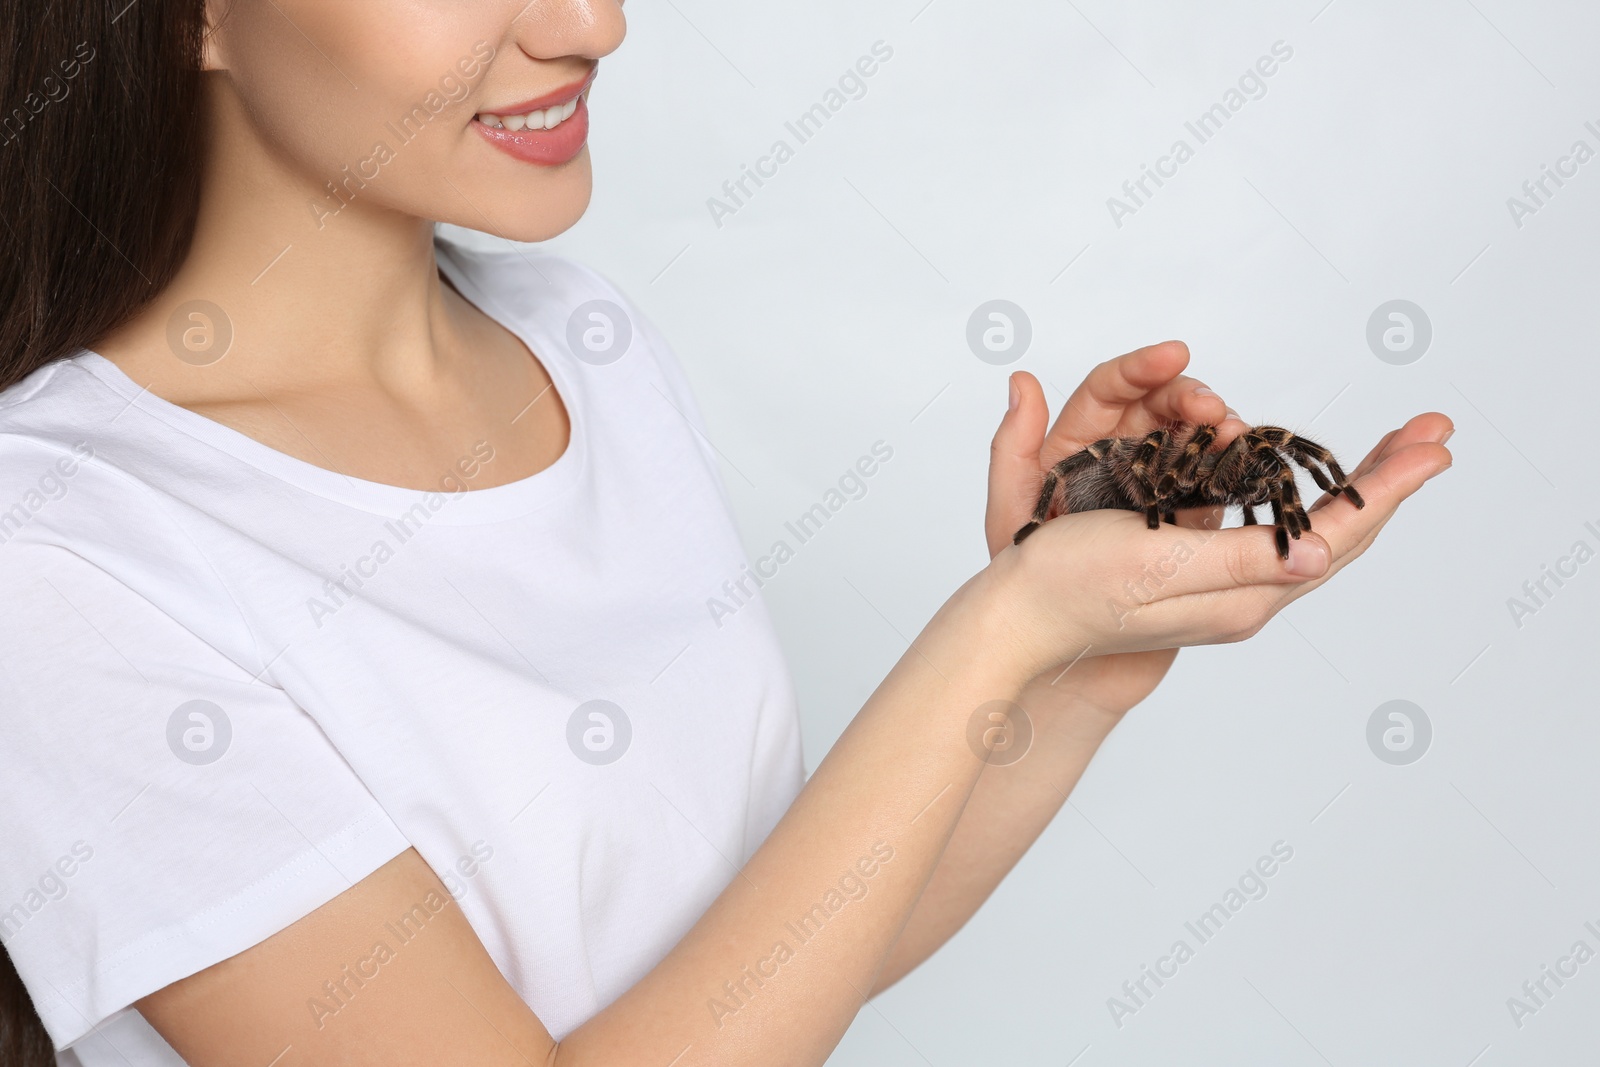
pixel 548 119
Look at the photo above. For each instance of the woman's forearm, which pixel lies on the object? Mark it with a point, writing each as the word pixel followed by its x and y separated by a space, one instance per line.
pixel 1010 807
pixel 778 967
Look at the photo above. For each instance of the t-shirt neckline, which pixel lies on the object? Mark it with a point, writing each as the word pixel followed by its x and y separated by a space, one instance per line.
pixel 461 507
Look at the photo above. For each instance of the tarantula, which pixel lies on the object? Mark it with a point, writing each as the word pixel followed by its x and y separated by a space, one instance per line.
pixel 1174 468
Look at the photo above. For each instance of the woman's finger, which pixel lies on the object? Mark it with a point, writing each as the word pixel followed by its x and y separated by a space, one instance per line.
pixel 1366 534
pixel 1183 400
pixel 1096 407
pixel 1401 473
pixel 1014 467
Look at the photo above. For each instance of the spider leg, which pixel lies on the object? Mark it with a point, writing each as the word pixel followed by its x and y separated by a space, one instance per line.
pixel 1276 436
pixel 1184 473
pixel 1322 480
pixel 1149 451
pixel 1231 480
pixel 1307 453
pixel 1280 532
pixel 1294 517
pixel 1288 513
pixel 1290 447
pixel 1216 475
pixel 1069 466
pixel 1292 498
pixel 1294 512
pixel 1185 470
pixel 1285 442
pixel 1230 466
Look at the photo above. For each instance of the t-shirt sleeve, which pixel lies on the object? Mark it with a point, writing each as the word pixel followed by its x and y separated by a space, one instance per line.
pixel 161 806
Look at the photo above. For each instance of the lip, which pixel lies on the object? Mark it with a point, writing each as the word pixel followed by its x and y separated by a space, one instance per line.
pixel 543 148
pixel 548 100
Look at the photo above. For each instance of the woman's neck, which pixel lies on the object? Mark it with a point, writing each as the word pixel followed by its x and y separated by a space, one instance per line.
pixel 347 349
pixel 317 285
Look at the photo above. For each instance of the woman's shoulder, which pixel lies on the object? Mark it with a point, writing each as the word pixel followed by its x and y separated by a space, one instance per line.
pixel 62 381
pixel 55 413
pixel 71 466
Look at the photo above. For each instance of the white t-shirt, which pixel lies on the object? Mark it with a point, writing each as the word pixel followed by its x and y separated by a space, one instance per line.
pixel 233 683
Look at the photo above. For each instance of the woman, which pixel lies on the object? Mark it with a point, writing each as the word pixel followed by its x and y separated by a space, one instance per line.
pixel 360 699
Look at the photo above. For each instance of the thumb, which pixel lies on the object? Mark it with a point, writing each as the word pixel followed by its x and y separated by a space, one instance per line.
pixel 1015 476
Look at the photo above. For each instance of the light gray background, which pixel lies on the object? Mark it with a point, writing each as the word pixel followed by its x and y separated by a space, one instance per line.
pixel 831 311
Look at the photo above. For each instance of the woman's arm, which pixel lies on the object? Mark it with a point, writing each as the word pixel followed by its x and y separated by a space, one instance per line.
pixel 779 965
pixel 1071 707
pixel 774 972
pixel 1071 711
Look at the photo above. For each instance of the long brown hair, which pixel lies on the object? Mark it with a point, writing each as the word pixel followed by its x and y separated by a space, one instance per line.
pixel 101 155
pixel 101 152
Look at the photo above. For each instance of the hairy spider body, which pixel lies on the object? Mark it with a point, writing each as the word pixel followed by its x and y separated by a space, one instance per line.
pixel 1168 470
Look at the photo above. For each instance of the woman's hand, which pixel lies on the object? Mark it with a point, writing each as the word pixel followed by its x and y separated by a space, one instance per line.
pixel 1129 395
pixel 1110 598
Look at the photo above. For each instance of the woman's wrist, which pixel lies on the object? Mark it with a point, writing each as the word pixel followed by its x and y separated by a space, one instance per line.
pixel 985 625
pixel 1002 601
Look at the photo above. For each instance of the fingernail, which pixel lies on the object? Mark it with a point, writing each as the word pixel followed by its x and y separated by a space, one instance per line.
pixel 1016 394
pixel 1203 390
pixel 1451 432
pixel 1307 559
pixel 1232 414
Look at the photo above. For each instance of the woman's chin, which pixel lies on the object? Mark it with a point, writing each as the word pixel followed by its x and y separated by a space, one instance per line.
pixel 528 211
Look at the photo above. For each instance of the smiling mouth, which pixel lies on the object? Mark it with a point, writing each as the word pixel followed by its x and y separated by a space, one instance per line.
pixel 547 119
